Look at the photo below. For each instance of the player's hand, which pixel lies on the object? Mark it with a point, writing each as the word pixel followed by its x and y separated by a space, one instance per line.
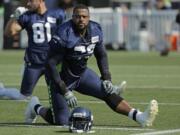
pixel 112 89
pixel 108 86
pixel 70 99
pixel 18 12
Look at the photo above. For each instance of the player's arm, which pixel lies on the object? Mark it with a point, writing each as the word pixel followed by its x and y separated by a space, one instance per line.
pixel 13 27
pixel 102 62
pixel 54 74
pixel 56 55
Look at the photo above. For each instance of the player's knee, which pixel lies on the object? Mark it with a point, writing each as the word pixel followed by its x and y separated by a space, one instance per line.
pixel 49 117
pixel 23 97
pixel 113 100
pixel 55 120
pixel 62 118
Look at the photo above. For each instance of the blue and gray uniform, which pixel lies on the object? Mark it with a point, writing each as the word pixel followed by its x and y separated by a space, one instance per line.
pixel 73 51
pixel 40 29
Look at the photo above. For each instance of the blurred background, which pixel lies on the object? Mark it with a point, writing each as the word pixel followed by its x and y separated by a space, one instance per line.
pixel 141 25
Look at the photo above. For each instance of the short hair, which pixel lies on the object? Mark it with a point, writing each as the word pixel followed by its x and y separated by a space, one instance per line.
pixel 80 6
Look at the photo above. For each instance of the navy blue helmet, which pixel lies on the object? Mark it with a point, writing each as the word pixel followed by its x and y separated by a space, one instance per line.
pixel 81 120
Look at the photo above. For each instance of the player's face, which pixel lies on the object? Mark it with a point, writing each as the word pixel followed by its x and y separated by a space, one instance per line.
pixel 33 5
pixel 81 18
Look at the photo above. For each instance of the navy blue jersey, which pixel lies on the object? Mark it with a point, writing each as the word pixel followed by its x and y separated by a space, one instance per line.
pixel 40 29
pixel 74 50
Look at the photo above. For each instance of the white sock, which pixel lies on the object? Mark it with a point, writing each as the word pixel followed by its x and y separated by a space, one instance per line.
pixel 130 115
pixel 139 117
pixel 135 115
pixel 38 110
pixel 12 93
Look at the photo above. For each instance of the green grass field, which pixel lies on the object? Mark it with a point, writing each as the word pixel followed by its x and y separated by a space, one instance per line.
pixel 148 75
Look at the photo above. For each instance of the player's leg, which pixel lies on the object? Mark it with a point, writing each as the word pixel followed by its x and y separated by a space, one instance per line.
pixel 34 108
pixel 91 84
pixel 7 91
pixel 57 113
pixel 58 105
pixel 30 77
pixel 11 93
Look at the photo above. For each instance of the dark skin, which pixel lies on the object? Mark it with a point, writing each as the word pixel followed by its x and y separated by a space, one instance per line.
pixel 81 19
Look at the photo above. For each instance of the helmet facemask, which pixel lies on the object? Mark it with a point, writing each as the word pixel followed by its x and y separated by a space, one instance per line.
pixel 81 120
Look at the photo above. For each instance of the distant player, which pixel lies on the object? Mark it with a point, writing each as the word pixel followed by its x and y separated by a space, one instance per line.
pixel 40 25
pixel 3 88
pixel 74 43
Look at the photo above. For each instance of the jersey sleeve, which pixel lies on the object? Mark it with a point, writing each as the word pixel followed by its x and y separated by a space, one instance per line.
pixel 100 33
pixel 23 20
pixel 58 42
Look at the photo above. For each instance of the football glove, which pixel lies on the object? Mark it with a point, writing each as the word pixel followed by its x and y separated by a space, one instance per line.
pixel 108 86
pixel 70 99
pixel 18 12
pixel 112 89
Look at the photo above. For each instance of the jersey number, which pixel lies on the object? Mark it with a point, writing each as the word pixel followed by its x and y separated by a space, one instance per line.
pixel 83 49
pixel 41 31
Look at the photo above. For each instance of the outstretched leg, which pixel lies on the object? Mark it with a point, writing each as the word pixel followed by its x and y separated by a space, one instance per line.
pixel 90 84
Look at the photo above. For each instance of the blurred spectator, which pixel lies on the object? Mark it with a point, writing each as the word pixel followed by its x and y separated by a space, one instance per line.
pixel 151 4
pixel 178 18
pixel 178 22
pixel 51 4
pixel 68 6
pixel 142 40
pixel 146 39
pixel 163 4
pixel 65 4
pixel 121 4
pixel 163 45
pixel 167 4
pixel 124 8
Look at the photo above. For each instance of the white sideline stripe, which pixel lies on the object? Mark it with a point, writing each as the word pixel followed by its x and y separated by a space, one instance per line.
pixel 66 127
pixel 162 132
pixel 153 87
pixel 126 129
pixel 19 65
pixel 129 86
pixel 101 102
pixel 126 75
